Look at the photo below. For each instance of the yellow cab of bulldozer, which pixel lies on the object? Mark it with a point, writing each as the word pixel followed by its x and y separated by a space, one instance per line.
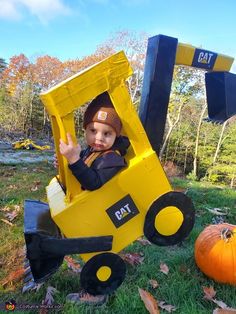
pixel 106 211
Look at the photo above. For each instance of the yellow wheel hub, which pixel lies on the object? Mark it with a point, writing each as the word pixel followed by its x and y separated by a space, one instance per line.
pixel 168 220
pixel 104 273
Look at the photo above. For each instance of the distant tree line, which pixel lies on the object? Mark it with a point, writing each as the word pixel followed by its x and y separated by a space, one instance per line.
pixel 199 149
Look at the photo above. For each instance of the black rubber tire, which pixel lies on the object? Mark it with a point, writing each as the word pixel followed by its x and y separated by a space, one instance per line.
pixel 176 199
pixel 91 283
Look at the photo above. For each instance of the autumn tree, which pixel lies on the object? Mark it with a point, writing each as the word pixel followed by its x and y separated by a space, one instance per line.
pixel 134 45
pixel 17 81
pixel 3 65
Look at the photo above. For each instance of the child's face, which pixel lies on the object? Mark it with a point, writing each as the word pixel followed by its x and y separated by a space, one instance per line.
pixel 100 136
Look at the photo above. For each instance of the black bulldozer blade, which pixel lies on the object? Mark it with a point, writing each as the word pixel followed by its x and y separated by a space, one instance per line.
pixel 38 224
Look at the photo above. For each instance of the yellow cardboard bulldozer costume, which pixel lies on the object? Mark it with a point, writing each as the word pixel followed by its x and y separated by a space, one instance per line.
pixel 99 224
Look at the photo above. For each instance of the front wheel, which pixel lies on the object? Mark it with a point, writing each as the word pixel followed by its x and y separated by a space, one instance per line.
pixel 103 273
pixel 169 219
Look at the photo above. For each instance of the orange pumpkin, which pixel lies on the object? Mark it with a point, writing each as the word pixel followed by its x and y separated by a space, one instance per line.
pixel 215 252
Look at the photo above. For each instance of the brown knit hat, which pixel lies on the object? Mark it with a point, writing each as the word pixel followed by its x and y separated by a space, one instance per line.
pixel 101 110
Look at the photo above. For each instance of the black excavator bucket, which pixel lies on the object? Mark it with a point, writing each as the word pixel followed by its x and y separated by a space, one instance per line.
pixel 39 225
pixel 221 96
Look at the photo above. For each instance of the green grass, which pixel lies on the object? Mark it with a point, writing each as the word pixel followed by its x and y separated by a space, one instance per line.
pixel 182 287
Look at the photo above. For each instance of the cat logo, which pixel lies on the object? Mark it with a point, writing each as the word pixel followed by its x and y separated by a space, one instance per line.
pixel 204 59
pixel 122 211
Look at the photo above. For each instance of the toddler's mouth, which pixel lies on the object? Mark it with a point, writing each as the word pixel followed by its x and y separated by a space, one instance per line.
pixel 97 146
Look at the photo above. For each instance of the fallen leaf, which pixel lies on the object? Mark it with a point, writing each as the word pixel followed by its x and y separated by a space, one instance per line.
pixel 169 308
pixel 209 293
pixel 7 222
pixel 133 258
pixel 144 241
pixel 184 269
pixel 164 268
pixel 14 276
pixel 221 304
pixel 154 284
pixel 12 215
pixel 149 301
pixel 73 264
pixel 13 187
pixel 34 188
pixel 224 311
pixel 17 208
pixel 181 190
pixel 217 211
pixel 49 299
pixel 5 209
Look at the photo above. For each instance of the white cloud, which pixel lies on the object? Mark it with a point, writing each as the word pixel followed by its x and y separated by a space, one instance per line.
pixel 9 10
pixel 44 10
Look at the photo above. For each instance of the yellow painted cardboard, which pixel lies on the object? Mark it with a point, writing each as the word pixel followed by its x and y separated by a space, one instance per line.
pixel 185 55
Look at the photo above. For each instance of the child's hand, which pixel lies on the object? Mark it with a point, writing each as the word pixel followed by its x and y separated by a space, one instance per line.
pixel 70 150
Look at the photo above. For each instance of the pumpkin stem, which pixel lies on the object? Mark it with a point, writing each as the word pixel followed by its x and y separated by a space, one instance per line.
pixel 226 234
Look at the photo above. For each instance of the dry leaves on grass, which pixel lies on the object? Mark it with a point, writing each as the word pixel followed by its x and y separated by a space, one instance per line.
pixel 132 258
pixel 73 264
pixel 143 241
pixel 10 215
pixel 35 186
pixel 224 311
pixel 164 268
pixel 152 305
pixel 167 307
pixel 154 284
pixel 5 209
pixel 210 293
pixel 149 301
pixel 218 211
pixel 14 276
pixel 7 222
pixel 12 187
pixel 49 299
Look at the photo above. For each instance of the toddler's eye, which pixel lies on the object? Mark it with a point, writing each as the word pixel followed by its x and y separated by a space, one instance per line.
pixel 92 130
pixel 107 133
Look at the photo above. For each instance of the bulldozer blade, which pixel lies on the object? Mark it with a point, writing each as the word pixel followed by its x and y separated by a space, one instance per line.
pixel 38 223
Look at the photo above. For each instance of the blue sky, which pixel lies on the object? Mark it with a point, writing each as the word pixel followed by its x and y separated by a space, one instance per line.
pixel 70 29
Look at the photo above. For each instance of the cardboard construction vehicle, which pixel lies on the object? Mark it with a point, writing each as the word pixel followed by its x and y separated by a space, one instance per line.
pixel 138 201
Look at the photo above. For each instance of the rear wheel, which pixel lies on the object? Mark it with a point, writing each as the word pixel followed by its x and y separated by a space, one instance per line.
pixel 103 273
pixel 169 219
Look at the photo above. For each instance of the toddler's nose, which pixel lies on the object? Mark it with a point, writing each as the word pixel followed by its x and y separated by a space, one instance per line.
pixel 99 136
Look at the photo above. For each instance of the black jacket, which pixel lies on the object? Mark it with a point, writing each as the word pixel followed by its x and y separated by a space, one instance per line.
pixel 103 167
